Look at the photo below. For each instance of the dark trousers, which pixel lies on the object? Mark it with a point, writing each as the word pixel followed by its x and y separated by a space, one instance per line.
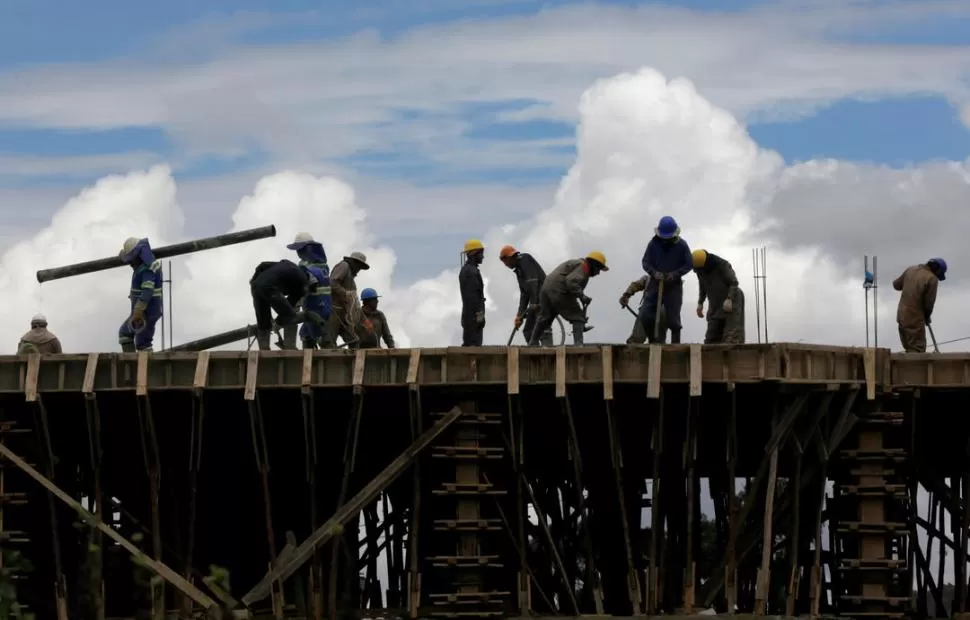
pixel 673 301
pixel 267 299
pixel 472 335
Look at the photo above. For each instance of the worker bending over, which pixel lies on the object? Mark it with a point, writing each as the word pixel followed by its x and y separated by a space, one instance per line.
pixel 718 284
pixel 280 286
pixel 313 258
pixel 472 295
pixel 917 285
pixel 562 294
pixel 39 339
pixel 530 276
pixel 138 331
pixel 343 287
pixel 638 335
pixel 373 324
pixel 666 261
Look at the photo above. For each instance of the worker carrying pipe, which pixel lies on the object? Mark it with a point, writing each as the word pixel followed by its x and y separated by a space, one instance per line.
pixel 917 286
pixel 666 261
pixel 280 286
pixel 472 289
pixel 563 294
pixel 718 285
pixel 530 276
pixel 313 258
pixel 145 294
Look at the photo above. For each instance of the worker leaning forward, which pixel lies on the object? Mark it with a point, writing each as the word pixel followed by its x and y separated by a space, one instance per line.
pixel 472 295
pixel 666 261
pixel 725 309
pixel 313 258
pixel 346 308
pixel 918 286
pixel 279 286
pixel 530 277
pixel 372 327
pixel 563 294
pixel 138 331
pixel 638 335
pixel 39 339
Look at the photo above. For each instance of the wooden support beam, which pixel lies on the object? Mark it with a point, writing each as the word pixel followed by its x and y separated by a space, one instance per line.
pixel 349 510
pixel 201 378
pixel 512 378
pixel 141 375
pixel 654 366
pixel 696 370
pixel 30 379
pixel 561 372
pixel 252 371
pixel 156 567
pixel 90 372
pixel 607 373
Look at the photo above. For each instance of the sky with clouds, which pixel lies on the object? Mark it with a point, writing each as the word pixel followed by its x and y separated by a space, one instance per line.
pixel 822 130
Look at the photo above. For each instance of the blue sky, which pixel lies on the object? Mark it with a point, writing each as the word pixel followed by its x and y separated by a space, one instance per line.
pixel 895 129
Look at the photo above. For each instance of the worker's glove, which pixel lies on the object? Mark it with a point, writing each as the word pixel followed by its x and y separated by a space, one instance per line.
pixel 517 321
pixel 700 311
pixel 624 300
pixel 658 275
pixel 583 299
pixel 480 317
pixel 138 316
pixel 670 277
pixel 728 306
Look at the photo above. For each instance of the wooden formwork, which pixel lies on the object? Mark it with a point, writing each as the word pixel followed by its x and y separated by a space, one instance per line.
pixel 481 481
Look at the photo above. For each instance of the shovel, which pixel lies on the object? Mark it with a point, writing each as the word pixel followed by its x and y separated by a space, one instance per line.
pixel 660 318
pixel 933 338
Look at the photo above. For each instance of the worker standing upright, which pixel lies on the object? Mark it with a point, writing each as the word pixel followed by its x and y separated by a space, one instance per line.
pixel 145 293
pixel 39 339
pixel 280 286
pixel 313 258
pixel 372 327
pixel 638 335
pixel 718 285
pixel 666 260
pixel 346 308
pixel 563 294
pixel 918 285
pixel 472 289
pixel 530 277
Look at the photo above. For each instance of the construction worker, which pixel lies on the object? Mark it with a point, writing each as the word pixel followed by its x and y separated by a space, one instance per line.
pixel 718 285
pixel 638 335
pixel 561 291
pixel 39 339
pixel 372 327
pixel 472 295
pixel 917 285
pixel 666 261
pixel 346 311
pixel 145 293
pixel 280 286
pixel 530 276
pixel 313 258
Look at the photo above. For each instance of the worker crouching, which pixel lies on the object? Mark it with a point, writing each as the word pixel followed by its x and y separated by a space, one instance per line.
pixel 279 286
pixel 313 258
pixel 918 286
pixel 39 339
pixel 372 327
pixel 530 276
pixel 563 294
pixel 718 285
pixel 666 261
pixel 472 289
pixel 145 294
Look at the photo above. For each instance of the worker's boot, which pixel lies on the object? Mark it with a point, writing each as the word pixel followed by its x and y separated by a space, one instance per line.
pixel 579 328
pixel 674 336
pixel 546 338
pixel 289 337
pixel 262 339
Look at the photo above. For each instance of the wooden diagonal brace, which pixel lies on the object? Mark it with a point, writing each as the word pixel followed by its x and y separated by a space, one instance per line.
pixel 397 467
pixel 156 567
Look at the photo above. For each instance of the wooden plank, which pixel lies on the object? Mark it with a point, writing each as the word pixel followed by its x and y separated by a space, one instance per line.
pixel 30 379
pixel 513 371
pixel 607 372
pixel 869 365
pixel 141 374
pixel 561 372
pixel 306 374
pixel 352 508
pixel 414 365
pixel 696 370
pixel 201 379
pixel 252 372
pixel 90 372
pixel 653 371
pixel 360 360
pixel 158 568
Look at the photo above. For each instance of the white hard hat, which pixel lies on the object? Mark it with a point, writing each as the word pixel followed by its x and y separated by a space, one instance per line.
pixel 129 245
pixel 303 237
pixel 39 318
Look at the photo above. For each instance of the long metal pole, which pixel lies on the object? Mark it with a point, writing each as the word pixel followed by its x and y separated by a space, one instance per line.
pixel 875 301
pixel 764 286
pixel 865 287
pixel 757 295
pixel 170 309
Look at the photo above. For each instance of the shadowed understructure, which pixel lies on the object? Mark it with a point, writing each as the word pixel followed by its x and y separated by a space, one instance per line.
pixel 494 481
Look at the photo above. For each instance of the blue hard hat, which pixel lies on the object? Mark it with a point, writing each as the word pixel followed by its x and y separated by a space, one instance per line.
pixel 667 228
pixel 368 293
pixel 941 267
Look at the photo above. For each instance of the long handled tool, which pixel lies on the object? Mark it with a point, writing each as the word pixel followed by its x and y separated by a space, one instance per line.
pixel 933 338
pixel 660 310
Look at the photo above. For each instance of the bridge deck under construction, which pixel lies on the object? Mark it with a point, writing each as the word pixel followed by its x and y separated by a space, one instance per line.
pixel 485 481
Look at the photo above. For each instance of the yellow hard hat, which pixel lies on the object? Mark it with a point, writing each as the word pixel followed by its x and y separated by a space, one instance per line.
pixel 700 258
pixel 473 244
pixel 599 257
